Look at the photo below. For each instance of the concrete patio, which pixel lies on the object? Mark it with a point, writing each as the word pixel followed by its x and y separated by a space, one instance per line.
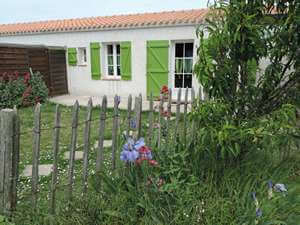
pixel 69 100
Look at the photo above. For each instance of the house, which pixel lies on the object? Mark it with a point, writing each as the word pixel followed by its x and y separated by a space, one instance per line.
pixel 123 54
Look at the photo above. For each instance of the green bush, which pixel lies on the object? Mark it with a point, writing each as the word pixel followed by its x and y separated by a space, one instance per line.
pixel 25 90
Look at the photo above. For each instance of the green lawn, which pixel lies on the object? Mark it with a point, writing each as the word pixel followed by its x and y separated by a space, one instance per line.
pixel 46 154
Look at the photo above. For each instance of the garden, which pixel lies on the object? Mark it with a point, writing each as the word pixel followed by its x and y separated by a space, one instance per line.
pixel 233 160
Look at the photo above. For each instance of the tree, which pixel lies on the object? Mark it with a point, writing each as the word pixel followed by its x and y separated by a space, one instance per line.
pixel 249 55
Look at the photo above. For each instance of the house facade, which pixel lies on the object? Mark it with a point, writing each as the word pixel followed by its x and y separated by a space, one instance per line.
pixel 125 54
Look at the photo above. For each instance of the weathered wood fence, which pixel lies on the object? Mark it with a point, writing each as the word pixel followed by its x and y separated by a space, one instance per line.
pixel 10 142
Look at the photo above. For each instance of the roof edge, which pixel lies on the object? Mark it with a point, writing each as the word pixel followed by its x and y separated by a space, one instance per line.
pixel 93 29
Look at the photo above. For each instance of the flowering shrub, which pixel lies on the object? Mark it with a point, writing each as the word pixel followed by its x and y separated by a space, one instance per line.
pixel 21 90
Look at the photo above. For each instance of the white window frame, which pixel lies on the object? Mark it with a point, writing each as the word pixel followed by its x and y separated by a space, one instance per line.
pixel 115 65
pixel 82 56
pixel 183 58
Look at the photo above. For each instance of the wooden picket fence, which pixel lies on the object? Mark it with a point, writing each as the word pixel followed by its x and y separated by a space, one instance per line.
pixel 10 142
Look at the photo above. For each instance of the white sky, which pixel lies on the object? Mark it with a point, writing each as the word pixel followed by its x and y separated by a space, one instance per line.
pixel 13 11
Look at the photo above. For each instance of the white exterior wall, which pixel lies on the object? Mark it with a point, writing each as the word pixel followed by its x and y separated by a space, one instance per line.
pixel 79 77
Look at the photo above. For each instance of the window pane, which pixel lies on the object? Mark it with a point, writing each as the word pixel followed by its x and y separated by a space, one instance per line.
pixel 118 70
pixel 178 80
pixel 118 60
pixel 188 66
pixel 179 50
pixel 118 49
pixel 189 49
pixel 178 65
pixel 109 49
pixel 110 70
pixel 188 81
pixel 84 55
pixel 110 60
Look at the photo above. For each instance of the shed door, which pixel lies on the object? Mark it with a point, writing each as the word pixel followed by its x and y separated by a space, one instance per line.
pixel 58 72
pixel 157 66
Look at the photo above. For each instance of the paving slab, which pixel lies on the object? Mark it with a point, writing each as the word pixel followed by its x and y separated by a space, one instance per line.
pixel 106 144
pixel 44 170
pixel 78 155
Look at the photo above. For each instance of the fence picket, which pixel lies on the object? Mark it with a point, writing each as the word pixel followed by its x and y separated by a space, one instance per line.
pixel 15 159
pixel 178 103
pixel 36 154
pixel 150 130
pixel 86 144
pixel 73 149
pixel 185 115
pixel 139 115
pixel 160 118
pixel 115 132
pixel 6 148
pixel 99 157
pixel 169 109
pixel 56 133
pixel 193 106
pixel 129 115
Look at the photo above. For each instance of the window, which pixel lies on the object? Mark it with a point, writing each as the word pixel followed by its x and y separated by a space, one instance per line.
pixel 113 60
pixel 183 65
pixel 82 56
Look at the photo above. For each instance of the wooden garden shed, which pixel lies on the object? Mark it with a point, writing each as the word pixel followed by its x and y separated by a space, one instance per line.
pixel 49 61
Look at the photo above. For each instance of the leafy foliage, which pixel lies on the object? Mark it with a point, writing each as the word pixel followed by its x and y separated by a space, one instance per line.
pixel 21 90
pixel 249 55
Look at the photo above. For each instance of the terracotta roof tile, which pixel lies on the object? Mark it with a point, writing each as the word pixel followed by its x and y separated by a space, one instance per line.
pixel 173 18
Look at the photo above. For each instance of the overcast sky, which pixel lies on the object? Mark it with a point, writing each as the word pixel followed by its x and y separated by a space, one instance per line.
pixel 13 11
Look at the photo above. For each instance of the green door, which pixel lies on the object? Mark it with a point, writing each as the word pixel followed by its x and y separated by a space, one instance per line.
pixel 157 66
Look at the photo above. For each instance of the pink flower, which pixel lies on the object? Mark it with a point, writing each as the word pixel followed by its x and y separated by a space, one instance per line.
pixel 153 162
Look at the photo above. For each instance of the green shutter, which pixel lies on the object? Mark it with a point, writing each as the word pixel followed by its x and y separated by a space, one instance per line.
pixel 72 56
pixel 157 66
pixel 125 60
pixel 95 61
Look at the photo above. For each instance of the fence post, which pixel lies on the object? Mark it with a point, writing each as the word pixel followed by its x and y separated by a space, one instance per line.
pixel 129 115
pixel 160 118
pixel 169 108
pixel 177 113
pixel 36 154
pixel 115 132
pixel 87 131
pixel 99 157
pixel 72 149
pixel 137 109
pixel 15 159
pixel 150 131
pixel 7 118
pixel 193 119
pixel 139 115
pixel 55 158
pixel 185 115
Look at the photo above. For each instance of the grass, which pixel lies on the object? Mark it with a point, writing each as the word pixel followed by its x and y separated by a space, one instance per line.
pixel 46 155
pixel 192 193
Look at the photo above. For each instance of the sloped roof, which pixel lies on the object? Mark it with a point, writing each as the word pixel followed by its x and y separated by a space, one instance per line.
pixel 168 18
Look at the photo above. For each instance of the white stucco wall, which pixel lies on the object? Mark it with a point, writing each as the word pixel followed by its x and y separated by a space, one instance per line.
pixel 79 77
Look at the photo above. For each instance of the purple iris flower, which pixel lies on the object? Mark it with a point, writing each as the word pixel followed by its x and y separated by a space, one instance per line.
pixel 280 188
pixel 130 150
pixel 133 124
pixel 129 156
pixel 270 184
pixel 139 143
pixel 253 195
pixel 258 213
pixel 149 155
